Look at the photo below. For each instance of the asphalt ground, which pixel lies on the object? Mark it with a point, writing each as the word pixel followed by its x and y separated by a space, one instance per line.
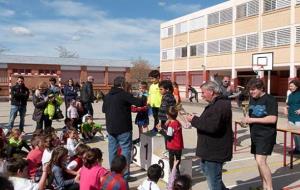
pixel 239 174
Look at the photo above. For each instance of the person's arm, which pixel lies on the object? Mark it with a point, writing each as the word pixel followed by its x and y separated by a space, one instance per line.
pixel 60 181
pixel 270 119
pixel 39 104
pixel 72 165
pixel 172 175
pixel 43 179
pixel 134 101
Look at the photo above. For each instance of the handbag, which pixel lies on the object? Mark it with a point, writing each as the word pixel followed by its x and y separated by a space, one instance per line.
pixel 58 114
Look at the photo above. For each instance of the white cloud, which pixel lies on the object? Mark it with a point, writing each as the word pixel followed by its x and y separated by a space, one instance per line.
pixel 99 37
pixel 161 3
pixel 182 9
pixel 6 12
pixel 21 31
pixel 72 9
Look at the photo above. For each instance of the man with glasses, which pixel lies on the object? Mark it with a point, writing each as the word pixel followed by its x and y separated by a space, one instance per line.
pixel 19 97
pixel 225 87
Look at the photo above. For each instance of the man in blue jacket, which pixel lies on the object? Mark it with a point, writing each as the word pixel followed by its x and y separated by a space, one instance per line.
pixel 19 97
pixel 117 108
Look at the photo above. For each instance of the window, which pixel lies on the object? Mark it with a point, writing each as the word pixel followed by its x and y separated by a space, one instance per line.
pixel 270 5
pixel 226 45
pixel 196 78
pixel 298 34
pixel 47 72
pixel 197 50
pixel 241 43
pixel 66 75
pixel 213 18
pixel 167 54
pixel 181 28
pixel 197 23
pixel 181 52
pixel 252 41
pixel 226 15
pixel 247 42
pixel 166 32
pixel 112 75
pixel 213 47
pixel 269 39
pixel 3 76
pixel 247 9
pixel 180 78
pixel 220 17
pixel 22 71
pixel 277 37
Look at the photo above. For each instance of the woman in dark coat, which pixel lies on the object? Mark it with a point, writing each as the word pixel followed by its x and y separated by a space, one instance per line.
pixel 70 93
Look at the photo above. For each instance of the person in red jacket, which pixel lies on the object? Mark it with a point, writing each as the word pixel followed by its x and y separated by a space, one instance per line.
pixel 173 135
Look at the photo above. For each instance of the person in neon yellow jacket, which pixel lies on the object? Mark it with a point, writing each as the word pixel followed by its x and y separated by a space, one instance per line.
pixel 52 106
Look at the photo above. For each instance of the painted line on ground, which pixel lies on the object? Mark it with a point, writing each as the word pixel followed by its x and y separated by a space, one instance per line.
pixel 256 181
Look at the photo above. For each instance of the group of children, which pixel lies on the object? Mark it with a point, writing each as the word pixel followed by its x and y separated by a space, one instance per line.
pixel 165 107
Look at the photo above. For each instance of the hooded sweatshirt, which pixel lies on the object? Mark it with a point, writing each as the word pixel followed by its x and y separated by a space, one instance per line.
pixel 117 108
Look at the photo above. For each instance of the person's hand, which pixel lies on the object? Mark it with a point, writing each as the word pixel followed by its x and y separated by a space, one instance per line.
pixel 247 120
pixel 189 117
pixel 297 112
pixel 46 98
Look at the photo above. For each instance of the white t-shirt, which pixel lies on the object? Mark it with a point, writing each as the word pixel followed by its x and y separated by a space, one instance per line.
pixel 148 185
pixel 71 146
pixel 46 156
pixel 23 183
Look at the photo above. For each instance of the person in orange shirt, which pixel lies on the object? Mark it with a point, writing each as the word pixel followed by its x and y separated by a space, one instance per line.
pixel 176 93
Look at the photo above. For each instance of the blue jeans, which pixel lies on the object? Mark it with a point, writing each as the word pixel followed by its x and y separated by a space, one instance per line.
pixel 124 141
pixel 13 114
pixel 213 173
pixel 296 137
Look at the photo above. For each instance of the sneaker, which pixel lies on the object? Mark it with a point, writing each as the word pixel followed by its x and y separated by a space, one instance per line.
pixel 131 179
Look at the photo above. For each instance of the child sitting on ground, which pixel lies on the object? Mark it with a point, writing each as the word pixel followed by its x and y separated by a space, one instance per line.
pixel 72 141
pixel 91 173
pixel 76 161
pixel 173 135
pixel 64 135
pixel 49 146
pixel 114 179
pixel 153 173
pixel 17 171
pixel 90 128
pixel 142 119
pixel 57 166
pixel 16 143
pixel 34 157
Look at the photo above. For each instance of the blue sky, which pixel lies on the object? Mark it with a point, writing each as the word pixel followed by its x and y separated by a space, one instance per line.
pixel 101 29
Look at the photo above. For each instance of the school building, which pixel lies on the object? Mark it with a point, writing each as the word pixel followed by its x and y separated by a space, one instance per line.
pixel 225 38
pixel 36 69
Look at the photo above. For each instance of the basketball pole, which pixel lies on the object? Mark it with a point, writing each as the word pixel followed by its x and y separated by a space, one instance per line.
pixel 269 81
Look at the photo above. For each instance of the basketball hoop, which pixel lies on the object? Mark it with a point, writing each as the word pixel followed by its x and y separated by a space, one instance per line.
pixel 262 62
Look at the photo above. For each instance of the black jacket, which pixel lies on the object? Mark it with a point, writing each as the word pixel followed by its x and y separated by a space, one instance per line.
pixel 87 93
pixel 214 128
pixel 19 95
pixel 117 108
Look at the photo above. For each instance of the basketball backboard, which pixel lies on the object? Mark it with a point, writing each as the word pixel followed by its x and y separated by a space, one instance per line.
pixel 262 61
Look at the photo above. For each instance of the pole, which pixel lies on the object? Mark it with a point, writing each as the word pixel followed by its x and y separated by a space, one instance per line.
pixel 269 82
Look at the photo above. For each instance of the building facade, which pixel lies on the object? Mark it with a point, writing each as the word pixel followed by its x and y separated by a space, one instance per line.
pixel 223 38
pixel 36 69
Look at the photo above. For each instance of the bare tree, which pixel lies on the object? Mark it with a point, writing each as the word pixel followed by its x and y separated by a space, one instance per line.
pixel 140 70
pixel 3 49
pixel 65 53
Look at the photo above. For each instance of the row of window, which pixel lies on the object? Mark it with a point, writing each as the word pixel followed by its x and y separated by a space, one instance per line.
pixel 248 9
pixel 270 39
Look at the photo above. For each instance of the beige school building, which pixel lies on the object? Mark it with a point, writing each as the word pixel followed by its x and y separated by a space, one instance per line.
pixel 223 39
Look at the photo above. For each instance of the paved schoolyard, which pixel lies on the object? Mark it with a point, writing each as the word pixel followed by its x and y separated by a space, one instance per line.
pixel 239 174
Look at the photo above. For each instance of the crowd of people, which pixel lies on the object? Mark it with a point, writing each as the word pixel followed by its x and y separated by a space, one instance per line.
pixel 66 161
